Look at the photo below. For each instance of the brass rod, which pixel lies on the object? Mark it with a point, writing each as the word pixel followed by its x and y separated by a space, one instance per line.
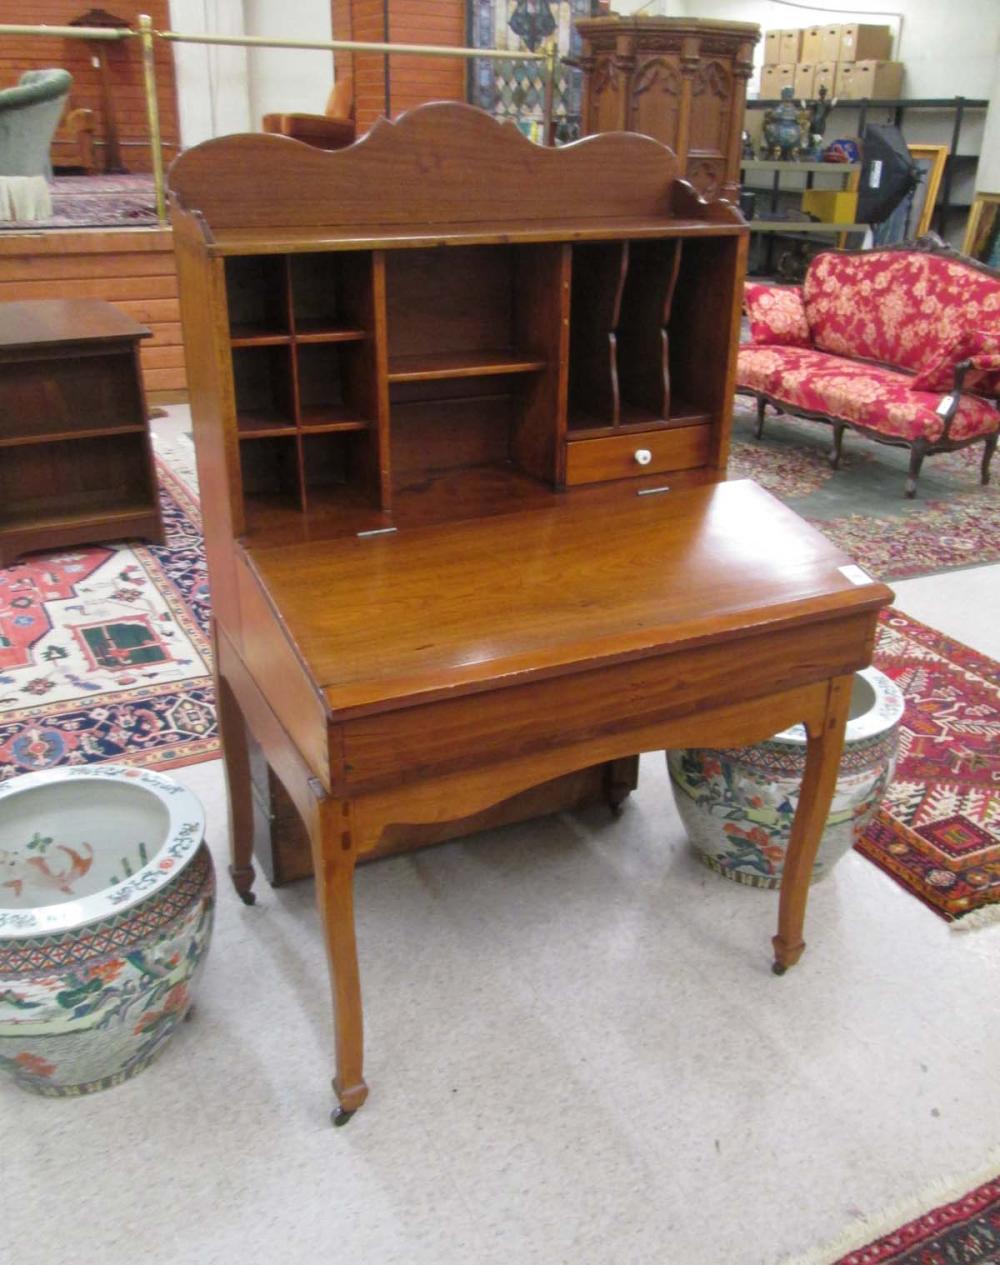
pixel 146 34
pixel 70 32
pixel 351 46
pixel 551 62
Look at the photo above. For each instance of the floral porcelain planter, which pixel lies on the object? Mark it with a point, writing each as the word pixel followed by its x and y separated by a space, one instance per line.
pixel 106 899
pixel 738 805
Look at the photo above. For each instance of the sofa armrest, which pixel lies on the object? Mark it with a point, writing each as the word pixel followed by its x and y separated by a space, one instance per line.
pixel 979 351
pixel 777 315
pixel 964 384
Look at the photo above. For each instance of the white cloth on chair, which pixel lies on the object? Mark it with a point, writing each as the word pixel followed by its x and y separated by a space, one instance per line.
pixel 25 198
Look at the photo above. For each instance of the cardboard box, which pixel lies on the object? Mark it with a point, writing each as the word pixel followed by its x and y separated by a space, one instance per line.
pixel 829 43
pixel 859 42
pixel 871 79
pixel 812 44
pixel 843 79
pixel 791 48
pixel 832 206
pixel 805 79
pixel 774 79
pixel 825 77
pixel 772 48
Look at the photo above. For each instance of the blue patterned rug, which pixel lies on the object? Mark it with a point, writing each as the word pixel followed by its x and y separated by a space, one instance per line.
pixel 104 650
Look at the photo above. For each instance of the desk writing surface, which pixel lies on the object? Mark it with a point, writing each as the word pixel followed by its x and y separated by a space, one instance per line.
pixel 386 621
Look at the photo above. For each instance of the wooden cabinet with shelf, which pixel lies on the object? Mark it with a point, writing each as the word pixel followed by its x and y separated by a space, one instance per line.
pixel 75 458
pixel 451 603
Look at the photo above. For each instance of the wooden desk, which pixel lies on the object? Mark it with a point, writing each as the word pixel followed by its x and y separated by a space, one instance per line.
pixel 76 463
pixel 527 562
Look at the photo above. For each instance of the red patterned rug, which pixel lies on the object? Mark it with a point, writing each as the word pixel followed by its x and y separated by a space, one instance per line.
pixel 104 651
pixel 938 831
pixel 966 1232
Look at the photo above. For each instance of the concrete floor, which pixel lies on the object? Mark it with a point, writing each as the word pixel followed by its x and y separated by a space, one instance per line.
pixel 577 1053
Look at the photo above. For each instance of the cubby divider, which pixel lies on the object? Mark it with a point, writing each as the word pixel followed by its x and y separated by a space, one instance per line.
pixel 302 332
pixel 642 338
pixel 619 372
pixel 598 280
pixel 263 386
pixel 258 298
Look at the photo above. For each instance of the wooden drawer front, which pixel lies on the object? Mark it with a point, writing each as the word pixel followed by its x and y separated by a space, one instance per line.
pixel 389 748
pixel 597 460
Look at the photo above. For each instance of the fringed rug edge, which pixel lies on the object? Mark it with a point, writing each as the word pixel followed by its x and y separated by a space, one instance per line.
pixel 884 1221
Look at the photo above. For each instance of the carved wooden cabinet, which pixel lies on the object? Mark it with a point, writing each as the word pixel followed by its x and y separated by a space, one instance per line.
pixel 681 81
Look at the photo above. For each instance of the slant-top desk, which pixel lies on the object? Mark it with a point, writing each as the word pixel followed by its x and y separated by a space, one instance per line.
pixel 461 410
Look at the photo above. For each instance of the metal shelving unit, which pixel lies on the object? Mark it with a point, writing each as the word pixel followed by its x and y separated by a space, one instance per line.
pixel 899 106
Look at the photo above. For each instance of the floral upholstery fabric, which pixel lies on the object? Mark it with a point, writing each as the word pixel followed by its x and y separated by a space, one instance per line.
pixel 777 315
pixel 901 308
pixel 980 347
pixel 882 400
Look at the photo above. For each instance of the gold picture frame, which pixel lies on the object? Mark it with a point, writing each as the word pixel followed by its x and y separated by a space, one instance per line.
pixel 983 227
pixel 931 160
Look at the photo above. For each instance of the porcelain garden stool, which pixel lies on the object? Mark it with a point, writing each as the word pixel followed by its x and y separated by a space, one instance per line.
pixel 737 805
pixel 106 901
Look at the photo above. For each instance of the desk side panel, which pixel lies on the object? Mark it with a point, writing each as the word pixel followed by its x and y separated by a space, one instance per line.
pixel 205 326
pixel 280 675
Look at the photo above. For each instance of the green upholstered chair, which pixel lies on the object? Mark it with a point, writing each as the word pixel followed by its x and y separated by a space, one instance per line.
pixel 29 116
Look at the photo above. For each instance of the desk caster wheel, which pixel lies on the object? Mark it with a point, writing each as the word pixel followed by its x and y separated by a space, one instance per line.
pixel 243 877
pixel 339 1117
pixel 778 969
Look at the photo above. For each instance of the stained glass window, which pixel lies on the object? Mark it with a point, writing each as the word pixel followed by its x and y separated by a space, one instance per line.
pixel 515 89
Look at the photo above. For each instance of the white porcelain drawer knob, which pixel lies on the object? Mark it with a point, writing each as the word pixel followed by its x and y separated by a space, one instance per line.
pixel 643 456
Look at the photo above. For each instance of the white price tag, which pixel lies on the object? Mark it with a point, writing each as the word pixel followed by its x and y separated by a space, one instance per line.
pixel 945 405
pixel 855 574
pixel 875 175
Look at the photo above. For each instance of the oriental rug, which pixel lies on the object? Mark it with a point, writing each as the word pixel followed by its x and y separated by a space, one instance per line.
pixel 122 201
pixel 937 833
pixel 963 1232
pixel 104 651
pixel 952 522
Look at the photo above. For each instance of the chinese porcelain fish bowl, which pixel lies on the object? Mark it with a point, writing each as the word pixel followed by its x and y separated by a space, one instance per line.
pixel 738 805
pixel 106 899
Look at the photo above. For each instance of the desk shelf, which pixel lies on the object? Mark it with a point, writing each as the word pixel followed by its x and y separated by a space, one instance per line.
pixel 397 370
pixel 429 367
pixel 371 380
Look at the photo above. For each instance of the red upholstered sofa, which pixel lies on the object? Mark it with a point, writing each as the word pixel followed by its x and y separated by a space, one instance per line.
pixel 901 343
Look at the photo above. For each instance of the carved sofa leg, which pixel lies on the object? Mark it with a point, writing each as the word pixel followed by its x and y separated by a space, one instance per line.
pixel 989 448
pixel 761 406
pixel 838 445
pixel 918 451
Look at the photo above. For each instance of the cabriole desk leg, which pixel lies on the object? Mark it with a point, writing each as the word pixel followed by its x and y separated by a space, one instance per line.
pixel 825 742
pixel 236 759
pixel 335 851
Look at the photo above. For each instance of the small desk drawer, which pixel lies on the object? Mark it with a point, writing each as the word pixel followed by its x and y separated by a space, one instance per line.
pixel 621 456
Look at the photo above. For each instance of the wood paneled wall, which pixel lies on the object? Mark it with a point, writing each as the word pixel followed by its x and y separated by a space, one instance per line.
pixel 412 80
pixel 29 52
pixel 132 268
